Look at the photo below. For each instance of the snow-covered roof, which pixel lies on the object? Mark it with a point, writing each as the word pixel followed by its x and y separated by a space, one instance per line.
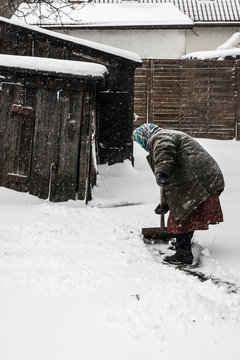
pixel 90 44
pixel 53 66
pixel 125 14
pixel 200 11
pixel 214 54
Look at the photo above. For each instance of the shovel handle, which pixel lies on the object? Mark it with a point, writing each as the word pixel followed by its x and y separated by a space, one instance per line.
pixel 162 221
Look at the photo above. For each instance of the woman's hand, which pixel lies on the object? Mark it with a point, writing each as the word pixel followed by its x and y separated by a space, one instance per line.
pixel 161 210
pixel 162 179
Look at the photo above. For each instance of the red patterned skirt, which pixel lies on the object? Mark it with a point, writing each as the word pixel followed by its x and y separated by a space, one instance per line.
pixel 208 212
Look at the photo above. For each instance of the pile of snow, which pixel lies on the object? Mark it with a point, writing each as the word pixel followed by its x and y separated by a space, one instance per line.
pixel 214 54
pixel 233 42
pixel 77 281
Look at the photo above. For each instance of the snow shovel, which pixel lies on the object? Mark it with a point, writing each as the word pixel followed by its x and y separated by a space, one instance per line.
pixel 157 234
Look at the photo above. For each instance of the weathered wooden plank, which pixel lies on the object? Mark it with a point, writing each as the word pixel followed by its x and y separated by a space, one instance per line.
pixel 10 93
pixel 14 142
pixel 166 123
pixel 167 97
pixel 165 84
pixel 212 64
pixel 84 148
pixel 92 178
pixel 140 82
pixel 17 178
pixel 167 94
pixel 166 117
pixel 140 91
pixel 23 110
pixel 211 99
pixel 203 72
pixel 20 150
pixel 237 104
pixel 27 129
pixel 45 143
pixel 193 121
pixel 64 184
pixel 140 107
pixel 221 136
pixel 210 108
pixel 197 87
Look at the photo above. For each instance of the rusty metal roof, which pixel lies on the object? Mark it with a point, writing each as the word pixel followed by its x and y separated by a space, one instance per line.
pixel 200 11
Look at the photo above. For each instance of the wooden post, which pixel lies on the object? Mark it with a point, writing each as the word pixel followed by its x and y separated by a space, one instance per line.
pixel 237 107
pixel 149 94
pixel 85 144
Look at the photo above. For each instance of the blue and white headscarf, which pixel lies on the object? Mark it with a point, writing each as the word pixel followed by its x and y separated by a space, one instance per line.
pixel 143 133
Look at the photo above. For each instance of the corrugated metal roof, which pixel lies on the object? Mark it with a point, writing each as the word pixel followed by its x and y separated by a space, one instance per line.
pixel 206 11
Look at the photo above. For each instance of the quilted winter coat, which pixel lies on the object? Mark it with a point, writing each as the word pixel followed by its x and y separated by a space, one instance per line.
pixel 194 174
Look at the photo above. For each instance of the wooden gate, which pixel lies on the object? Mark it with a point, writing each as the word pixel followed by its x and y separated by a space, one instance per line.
pixel 197 97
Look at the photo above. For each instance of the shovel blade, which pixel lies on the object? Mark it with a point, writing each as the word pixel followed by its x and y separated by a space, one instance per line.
pixel 156 235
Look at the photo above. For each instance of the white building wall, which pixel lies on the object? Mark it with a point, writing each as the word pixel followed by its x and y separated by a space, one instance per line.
pixel 155 44
pixel 208 38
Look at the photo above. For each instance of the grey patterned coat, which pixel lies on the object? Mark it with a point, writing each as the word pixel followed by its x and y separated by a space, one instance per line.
pixel 194 174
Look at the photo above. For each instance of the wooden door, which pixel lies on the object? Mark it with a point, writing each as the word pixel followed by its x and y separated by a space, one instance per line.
pixel 16 134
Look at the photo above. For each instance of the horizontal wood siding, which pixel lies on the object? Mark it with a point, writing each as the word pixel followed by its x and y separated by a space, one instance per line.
pixel 197 97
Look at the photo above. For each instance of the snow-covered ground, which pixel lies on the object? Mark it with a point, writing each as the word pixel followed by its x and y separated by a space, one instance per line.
pixel 77 282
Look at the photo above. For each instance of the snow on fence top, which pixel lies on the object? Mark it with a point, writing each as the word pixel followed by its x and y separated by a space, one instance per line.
pixel 233 42
pixel 103 14
pixel 229 49
pixel 54 66
pixel 91 44
pixel 213 54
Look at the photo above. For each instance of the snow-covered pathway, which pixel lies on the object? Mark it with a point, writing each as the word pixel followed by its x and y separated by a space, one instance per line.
pixel 78 282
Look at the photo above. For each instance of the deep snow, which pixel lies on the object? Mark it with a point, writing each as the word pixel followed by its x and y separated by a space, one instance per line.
pixel 77 282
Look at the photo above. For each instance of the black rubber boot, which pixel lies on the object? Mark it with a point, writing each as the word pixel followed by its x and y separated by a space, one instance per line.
pixel 183 253
pixel 181 256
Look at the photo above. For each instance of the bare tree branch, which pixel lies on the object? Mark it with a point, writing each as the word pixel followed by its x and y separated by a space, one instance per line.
pixel 29 7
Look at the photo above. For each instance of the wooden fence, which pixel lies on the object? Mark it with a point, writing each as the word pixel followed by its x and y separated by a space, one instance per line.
pixel 200 98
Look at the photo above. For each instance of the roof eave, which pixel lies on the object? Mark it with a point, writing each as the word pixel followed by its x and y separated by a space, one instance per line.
pixel 119 27
pixel 216 23
pixel 45 73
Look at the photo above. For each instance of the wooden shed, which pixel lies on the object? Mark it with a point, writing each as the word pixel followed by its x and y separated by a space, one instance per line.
pixel 115 104
pixel 47 120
